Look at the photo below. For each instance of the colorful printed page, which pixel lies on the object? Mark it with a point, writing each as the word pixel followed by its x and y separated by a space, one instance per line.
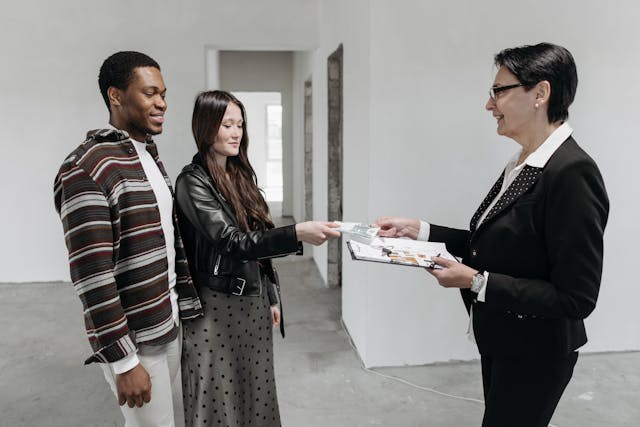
pixel 408 252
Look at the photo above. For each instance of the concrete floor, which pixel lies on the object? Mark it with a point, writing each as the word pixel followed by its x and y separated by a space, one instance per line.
pixel 320 379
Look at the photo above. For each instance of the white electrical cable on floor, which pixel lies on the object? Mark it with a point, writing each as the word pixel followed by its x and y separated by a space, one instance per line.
pixel 402 380
pixel 409 383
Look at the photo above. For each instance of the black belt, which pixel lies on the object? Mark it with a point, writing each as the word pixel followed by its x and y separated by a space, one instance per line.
pixel 234 286
pixel 228 285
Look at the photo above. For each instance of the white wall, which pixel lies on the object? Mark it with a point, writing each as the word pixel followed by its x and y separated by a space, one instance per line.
pixel 212 68
pixel 51 53
pixel 416 81
pixel 346 23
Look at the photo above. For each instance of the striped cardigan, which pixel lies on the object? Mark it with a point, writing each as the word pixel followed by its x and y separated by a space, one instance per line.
pixel 117 253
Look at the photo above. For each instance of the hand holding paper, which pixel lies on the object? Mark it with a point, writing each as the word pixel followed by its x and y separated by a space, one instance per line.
pixel 316 232
pixel 358 231
pixel 452 274
pixel 394 226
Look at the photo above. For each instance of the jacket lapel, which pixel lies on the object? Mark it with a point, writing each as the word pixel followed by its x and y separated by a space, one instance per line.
pixel 525 180
pixel 486 202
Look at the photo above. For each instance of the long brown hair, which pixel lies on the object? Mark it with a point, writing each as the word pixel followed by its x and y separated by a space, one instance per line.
pixel 241 186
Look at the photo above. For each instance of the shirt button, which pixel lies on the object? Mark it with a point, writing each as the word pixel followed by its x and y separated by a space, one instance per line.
pixel 474 253
pixel 130 151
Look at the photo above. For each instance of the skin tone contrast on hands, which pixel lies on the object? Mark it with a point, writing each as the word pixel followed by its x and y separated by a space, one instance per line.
pixel 134 387
pixel 316 232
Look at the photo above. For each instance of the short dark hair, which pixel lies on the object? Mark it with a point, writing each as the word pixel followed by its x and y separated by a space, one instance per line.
pixel 532 64
pixel 117 70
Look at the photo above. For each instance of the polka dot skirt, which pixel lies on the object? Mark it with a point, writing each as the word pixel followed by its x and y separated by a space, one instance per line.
pixel 227 363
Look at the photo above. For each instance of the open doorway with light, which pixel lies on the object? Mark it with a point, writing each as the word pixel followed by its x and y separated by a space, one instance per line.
pixel 264 125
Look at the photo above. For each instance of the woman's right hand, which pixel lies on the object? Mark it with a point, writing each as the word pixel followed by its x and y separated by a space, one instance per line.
pixel 395 226
pixel 316 232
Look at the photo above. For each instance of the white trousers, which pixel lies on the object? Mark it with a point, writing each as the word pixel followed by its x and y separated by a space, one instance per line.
pixel 162 362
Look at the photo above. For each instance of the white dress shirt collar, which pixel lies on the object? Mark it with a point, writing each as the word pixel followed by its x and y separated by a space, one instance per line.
pixel 543 153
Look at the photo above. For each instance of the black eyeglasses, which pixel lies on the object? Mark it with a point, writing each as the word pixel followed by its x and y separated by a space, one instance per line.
pixel 494 91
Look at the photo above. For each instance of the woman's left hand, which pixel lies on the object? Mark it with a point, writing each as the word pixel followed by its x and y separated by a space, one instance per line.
pixel 453 274
pixel 275 315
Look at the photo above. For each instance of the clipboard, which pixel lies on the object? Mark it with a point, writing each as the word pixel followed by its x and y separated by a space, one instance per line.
pixel 405 252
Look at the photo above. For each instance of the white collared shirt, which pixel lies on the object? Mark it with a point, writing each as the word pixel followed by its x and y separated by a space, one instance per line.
pixel 537 159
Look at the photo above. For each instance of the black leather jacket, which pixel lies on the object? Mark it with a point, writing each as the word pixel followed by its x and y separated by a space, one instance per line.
pixel 221 255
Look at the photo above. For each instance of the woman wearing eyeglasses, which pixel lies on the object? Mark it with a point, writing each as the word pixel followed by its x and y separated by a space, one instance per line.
pixel 532 256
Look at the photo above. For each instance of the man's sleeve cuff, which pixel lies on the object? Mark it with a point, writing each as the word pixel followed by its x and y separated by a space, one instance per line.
pixel 117 350
pixel 123 365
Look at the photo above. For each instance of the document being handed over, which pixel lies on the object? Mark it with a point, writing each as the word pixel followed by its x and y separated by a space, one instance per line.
pixel 413 253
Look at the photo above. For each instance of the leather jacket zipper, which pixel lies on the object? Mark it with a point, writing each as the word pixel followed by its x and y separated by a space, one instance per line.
pixel 215 268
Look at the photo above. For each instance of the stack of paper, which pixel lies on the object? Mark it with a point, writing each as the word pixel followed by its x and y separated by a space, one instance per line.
pixel 400 251
pixel 358 231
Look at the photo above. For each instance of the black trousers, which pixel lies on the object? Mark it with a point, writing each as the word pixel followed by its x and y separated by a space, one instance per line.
pixel 524 391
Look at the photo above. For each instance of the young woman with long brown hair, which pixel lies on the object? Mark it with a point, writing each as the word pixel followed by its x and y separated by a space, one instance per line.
pixel 227 358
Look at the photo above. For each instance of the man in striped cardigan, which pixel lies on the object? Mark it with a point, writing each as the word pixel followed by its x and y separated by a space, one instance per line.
pixel 126 256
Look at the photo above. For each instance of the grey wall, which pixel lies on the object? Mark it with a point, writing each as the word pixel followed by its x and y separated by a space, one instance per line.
pixel 302 71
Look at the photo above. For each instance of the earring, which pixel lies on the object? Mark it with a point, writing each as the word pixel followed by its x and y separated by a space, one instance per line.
pixel 536 105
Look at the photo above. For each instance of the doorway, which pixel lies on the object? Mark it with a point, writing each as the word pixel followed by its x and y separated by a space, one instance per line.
pixel 264 126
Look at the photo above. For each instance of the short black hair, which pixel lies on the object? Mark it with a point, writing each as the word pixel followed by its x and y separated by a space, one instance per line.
pixel 532 64
pixel 117 70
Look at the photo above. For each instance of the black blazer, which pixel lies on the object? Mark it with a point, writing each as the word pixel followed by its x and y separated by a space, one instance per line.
pixel 542 246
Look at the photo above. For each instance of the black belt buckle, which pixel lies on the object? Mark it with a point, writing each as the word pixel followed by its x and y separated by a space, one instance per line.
pixel 240 287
